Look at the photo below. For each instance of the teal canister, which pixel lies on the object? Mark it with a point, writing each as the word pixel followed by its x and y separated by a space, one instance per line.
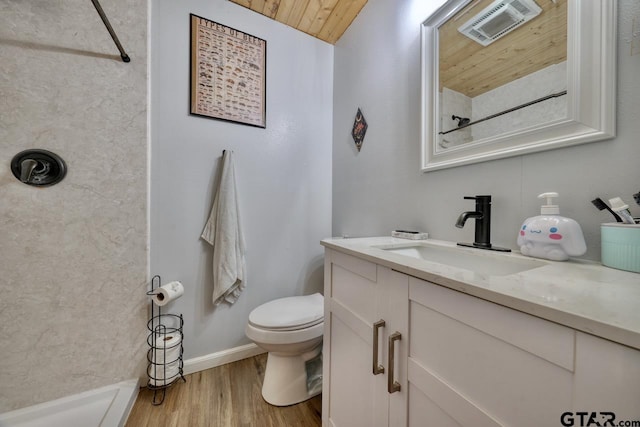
pixel 621 246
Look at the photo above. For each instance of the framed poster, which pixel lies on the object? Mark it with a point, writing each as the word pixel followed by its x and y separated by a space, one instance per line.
pixel 228 73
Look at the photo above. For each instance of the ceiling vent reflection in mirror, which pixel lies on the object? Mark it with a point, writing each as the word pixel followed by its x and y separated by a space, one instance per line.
pixel 498 19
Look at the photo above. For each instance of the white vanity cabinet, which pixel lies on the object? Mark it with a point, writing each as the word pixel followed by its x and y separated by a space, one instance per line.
pixel 363 300
pixel 461 360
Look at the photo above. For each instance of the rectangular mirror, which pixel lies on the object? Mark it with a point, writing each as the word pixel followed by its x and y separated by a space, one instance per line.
pixel 508 77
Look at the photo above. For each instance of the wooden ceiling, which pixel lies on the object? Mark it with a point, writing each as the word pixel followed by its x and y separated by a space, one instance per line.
pixel 469 68
pixel 323 19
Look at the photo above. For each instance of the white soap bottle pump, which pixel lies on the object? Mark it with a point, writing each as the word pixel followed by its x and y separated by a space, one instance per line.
pixel 549 235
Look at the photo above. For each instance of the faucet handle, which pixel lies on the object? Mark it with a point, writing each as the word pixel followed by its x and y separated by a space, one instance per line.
pixel 26 169
pixel 483 197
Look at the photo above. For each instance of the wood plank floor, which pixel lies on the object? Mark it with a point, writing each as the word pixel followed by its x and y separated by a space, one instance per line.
pixel 225 396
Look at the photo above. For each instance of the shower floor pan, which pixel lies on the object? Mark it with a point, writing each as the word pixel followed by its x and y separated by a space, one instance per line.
pixel 103 407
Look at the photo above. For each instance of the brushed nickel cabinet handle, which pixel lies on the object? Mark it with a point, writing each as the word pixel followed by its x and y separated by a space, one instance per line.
pixel 392 385
pixel 377 368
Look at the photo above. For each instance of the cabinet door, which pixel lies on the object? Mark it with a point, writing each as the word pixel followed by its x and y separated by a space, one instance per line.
pixel 363 302
pixel 393 303
pixel 351 308
pixel 434 403
pixel 607 382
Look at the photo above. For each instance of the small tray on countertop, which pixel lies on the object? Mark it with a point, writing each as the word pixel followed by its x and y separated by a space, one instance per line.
pixel 411 235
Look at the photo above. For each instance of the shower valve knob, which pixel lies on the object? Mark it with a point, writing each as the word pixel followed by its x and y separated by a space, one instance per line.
pixel 38 167
pixel 26 169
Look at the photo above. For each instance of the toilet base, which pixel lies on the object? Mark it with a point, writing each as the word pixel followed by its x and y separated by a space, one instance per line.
pixel 285 378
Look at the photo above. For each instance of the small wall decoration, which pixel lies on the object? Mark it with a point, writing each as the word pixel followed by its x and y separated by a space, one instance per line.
pixel 228 73
pixel 359 129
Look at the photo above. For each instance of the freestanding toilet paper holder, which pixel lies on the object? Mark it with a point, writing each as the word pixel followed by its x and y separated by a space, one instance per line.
pixel 165 342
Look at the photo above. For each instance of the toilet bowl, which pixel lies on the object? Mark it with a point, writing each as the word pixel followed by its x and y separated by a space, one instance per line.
pixel 290 330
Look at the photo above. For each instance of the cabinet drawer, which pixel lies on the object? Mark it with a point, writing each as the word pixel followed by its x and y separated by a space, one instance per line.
pixel 471 354
pixel 547 340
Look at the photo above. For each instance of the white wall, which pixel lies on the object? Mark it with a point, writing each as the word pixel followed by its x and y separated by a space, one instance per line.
pixel 283 172
pixel 73 257
pixel 380 188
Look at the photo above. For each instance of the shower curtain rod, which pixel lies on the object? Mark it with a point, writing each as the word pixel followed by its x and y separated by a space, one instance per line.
pixel 535 101
pixel 123 54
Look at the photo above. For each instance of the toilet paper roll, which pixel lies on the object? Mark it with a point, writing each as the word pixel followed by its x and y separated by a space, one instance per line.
pixel 166 348
pixel 167 293
pixel 160 372
pixel 165 359
pixel 160 375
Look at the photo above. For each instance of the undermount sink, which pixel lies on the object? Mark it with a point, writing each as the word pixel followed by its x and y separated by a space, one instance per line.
pixel 476 260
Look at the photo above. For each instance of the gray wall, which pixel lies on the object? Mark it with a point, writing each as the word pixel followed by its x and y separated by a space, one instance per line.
pixel 381 188
pixel 73 257
pixel 283 172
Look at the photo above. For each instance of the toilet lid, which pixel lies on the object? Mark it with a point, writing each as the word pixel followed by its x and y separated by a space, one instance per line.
pixel 289 313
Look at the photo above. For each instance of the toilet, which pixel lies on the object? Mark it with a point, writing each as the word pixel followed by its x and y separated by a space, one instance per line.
pixel 290 330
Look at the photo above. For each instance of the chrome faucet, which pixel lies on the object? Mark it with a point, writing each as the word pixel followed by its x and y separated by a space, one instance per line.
pixel 482 215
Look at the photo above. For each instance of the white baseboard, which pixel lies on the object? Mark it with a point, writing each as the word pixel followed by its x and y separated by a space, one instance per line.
pixel 219 358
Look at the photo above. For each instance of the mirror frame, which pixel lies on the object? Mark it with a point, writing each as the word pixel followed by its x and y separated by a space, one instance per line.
pixel 591 90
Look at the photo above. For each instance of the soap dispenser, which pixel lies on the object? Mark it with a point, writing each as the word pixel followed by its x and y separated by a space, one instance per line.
pixel 551 236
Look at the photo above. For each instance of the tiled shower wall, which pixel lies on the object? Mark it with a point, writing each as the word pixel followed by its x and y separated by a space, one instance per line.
pixel 73 257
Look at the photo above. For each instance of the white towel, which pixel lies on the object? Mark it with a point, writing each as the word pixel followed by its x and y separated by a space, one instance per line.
pixel 224 233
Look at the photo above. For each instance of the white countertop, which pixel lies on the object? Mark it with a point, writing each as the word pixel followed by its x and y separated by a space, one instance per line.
pixel 580 294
